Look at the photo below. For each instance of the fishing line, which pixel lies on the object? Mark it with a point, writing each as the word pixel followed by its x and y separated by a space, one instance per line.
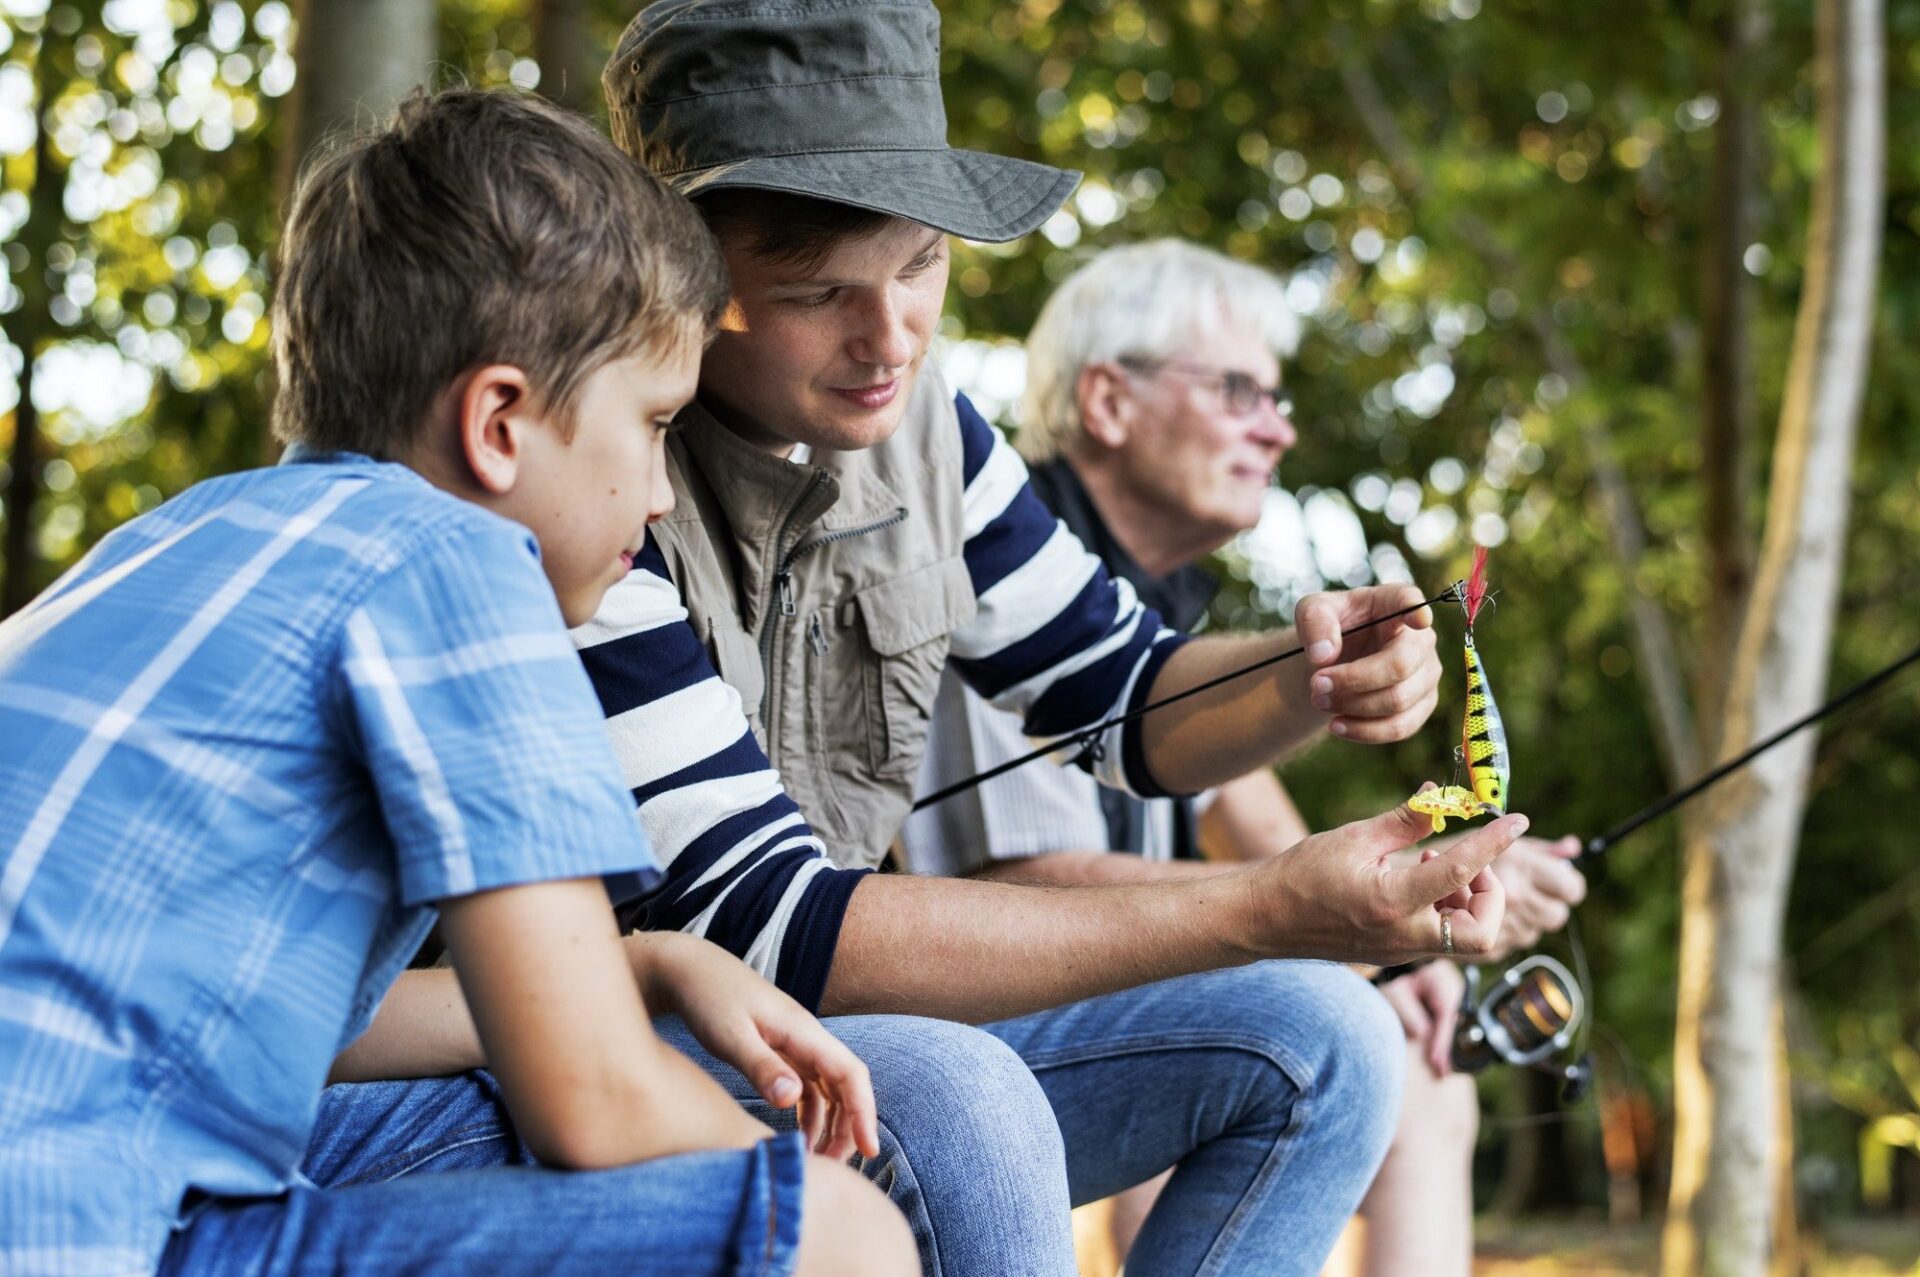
pixel 1603 841
pixel 1088 737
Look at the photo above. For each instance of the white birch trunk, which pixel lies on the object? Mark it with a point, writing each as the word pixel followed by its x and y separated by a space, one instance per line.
pixel 1741 849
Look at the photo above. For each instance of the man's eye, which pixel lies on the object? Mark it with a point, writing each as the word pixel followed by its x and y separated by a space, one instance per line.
pixel 820 298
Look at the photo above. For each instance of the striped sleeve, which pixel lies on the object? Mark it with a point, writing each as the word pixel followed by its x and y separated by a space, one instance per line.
pixel 743 869
pixel 1056 640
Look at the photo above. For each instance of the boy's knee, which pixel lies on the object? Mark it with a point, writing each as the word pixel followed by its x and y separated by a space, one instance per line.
pixel 849 1229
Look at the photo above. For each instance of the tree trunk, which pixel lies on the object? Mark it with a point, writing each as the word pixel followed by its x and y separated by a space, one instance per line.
pixel 1740 848
pixel 356 60
pixel 28 329
pixel 565 53
pixel 1726 381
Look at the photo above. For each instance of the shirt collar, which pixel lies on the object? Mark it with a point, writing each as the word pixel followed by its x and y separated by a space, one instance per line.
pixel 1181 597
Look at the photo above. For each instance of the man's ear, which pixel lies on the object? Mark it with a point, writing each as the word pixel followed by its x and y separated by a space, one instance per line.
pixel 1106 403
pixel 496 412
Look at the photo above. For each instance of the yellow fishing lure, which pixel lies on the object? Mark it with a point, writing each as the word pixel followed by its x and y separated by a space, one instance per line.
pixel 1483 737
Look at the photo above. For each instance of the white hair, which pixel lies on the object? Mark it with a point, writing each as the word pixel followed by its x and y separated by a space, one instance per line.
pixel 1140 301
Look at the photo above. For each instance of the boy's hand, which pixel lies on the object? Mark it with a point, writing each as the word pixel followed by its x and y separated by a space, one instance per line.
pixel 786 1053
pixel 1339 895
pixel 1378 685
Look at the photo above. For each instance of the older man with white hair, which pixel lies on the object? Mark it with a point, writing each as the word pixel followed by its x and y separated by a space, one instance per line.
pixel 1154 422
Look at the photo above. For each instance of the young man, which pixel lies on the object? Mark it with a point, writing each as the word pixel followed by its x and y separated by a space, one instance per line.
pixel 1153 422
pixel 842 521
pixel 266 732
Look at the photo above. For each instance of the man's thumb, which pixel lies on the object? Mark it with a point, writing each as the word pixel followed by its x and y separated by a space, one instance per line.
pixel 1392 830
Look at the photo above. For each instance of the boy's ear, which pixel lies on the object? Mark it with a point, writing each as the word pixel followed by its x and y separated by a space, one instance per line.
pixel 496 412
pixel 1105 403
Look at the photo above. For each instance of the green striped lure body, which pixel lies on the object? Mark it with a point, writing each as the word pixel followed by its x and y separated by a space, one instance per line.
pixel 1483 737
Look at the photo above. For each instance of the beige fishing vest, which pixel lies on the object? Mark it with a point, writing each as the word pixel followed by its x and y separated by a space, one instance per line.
pixel 825 594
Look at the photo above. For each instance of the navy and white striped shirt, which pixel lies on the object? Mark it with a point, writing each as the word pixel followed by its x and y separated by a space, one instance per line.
pixel 1055 640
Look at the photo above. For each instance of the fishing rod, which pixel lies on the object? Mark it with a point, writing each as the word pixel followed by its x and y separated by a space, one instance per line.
pixel 1654 811
pixel 1534 1015
pixel 1088 738
pixel 1536 1010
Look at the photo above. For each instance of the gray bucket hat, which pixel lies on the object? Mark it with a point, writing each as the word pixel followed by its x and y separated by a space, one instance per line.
pixel 836 99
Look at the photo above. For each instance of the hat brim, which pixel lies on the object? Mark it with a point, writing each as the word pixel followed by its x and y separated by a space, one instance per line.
pixel 991 198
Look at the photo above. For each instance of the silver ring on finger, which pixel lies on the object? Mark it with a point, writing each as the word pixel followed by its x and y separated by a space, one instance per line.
pixel 1446 932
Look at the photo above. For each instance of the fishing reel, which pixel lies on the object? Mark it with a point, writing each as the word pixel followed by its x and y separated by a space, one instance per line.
pixel 1526 1017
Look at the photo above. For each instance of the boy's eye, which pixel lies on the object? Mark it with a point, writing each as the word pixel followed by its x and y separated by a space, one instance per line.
pixel 820 298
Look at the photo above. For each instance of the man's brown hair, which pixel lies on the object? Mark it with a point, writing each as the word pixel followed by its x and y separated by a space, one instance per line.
pixel 786 229
pixel 477 227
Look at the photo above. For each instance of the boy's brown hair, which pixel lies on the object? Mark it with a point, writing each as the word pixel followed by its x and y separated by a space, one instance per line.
pixel 476 227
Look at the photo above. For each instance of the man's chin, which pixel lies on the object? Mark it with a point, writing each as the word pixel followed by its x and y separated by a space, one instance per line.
pixel 844 427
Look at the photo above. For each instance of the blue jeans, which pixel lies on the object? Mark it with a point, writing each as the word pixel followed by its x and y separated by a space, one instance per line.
pixel 1274 1088
pixel 414 1178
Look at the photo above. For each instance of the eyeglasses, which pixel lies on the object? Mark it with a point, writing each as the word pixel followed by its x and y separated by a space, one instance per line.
pixel 1239 391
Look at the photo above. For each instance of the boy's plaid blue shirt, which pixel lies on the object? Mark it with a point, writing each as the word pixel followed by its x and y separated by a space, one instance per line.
pixel 251 739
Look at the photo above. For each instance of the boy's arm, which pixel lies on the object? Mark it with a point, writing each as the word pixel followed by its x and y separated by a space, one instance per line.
pixel 425 1029
pixel 559 1015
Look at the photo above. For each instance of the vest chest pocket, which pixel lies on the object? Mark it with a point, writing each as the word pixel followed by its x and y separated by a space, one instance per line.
pixel 907 623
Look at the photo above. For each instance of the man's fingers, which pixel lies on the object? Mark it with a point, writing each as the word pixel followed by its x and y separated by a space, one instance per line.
pixel 1384 731
pixel 1414 1020
pixel 1317 623
pixel 1569 884
pixel 1395 661
pixel 1460 865
pixel 1476 928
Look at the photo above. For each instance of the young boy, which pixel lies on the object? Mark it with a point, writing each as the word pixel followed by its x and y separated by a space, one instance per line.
pixel 263 734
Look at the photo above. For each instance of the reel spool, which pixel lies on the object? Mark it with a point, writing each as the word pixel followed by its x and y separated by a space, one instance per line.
pixel 1524 1018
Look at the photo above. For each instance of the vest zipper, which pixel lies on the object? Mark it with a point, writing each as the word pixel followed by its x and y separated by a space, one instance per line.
pixel 783 587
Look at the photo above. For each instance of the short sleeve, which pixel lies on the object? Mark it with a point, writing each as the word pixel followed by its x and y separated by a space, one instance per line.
pixel 1030 811
pixel 479 729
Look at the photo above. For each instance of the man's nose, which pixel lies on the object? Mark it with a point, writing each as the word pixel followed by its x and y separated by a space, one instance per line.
pixel 883 338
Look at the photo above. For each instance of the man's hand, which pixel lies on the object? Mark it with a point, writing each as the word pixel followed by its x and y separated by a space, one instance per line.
pixel 782 1050
pixel 1378 685
pixel 1427 1001
pixel 1542 888
pixel 1340 895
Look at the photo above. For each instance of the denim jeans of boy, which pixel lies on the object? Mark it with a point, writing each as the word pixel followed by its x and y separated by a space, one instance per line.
pixel 419 1180
pixel 1274 1088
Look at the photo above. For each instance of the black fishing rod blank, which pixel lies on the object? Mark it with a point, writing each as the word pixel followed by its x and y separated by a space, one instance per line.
pixel 1866 685
pixel 1088 737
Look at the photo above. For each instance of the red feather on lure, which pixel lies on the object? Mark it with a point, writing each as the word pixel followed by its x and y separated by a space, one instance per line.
pixel 1476 584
